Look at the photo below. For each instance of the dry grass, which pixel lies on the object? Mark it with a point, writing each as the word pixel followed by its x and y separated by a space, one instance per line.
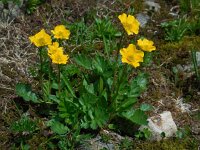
pixel 17 55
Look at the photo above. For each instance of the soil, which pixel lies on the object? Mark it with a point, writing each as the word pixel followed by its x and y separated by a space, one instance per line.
pixel 17 55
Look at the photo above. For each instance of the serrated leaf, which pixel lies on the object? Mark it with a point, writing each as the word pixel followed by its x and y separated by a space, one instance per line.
pixel 101 85
pixel 25 91
pixel 128 103
pixel 57 127
pixel 83 61
pixel 46 90
pixel 54 85
pixel 138 85
pixel 99 64
pixel 54 98
pixel 88 87
pixel 142 81
pixel 102 66
pixel 147 59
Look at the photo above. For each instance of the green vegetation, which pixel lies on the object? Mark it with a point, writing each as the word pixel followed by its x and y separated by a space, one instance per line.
pixel 101 89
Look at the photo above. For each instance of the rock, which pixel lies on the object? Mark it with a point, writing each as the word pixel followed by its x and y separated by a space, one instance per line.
pixel 1 6
pixel 112 141
pixel 198 58
pixel 143 18
pixel 5 14
pixel 184 107
pixel 152 6
pixel 96 144
pixel 159 124
pixel 14 9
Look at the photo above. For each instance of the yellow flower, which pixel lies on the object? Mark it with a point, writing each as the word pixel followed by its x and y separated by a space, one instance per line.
pixel 130 23
pixel 131 55
pixel 60 32
pixel 59 58
pixel 41 39
pixel 146 45
pixel 54 48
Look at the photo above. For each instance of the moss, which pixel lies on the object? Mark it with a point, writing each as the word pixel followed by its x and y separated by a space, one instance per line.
pixel 38 141
pixel 138 6
pixel 4 139
pixel 179 52
pixel 171 144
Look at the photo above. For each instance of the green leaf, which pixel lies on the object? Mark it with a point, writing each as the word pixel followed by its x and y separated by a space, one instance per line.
pixel 136 116
pixel 25 91
pixel 141 80
pixel 102 67
pixel 88 87
pixel 69 110
pixel 111 126
pixel 54 85
pixel 138 85
pixel 46 90
pixel 109 83
pixel 57 127
pixel 94 118
pixel 100 85
pixel 99 64
pixel 65 79
pixel 146 107
pixel 54 98
pixel 179 134
pixel 101 116
pixel 127 103
pixel 83 61
pixel 87 100
pixel 147 59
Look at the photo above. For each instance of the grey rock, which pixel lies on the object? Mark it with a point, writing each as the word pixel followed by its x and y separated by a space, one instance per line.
pixel 143 18
pixel 152 6
pixel 96 144
pixel 5 13
pixel 14 9
pixel 16 12
pixel 1 6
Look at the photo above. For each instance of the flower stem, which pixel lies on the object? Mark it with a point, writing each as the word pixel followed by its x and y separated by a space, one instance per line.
pixel 50 74
pixel 40 71
pixel 59 86
pixel 194 61
pixel 116 61
pixel 120 80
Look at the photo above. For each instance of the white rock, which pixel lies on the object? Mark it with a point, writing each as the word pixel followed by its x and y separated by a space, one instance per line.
pixel 162 123
pixel 198 58
pixel 152 5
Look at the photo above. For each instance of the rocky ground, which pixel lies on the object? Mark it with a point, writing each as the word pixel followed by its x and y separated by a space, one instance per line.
pixel 173 85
